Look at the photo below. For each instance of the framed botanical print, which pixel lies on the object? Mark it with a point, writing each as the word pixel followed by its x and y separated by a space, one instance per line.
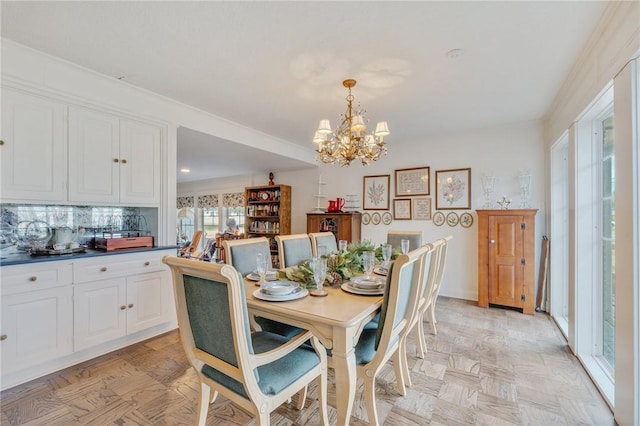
pixel 402 209
pixel 410 182
pixel 375 192
pixel 453 189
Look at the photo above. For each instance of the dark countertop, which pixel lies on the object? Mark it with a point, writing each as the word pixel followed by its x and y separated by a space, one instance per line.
pixel 9 256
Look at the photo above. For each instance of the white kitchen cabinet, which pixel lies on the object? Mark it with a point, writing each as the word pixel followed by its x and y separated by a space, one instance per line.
pixel 62 312
pixel 113 160
pixel 109 309
pixel 99 312
pixel 33 151
pixel 115 296
pixel 37 314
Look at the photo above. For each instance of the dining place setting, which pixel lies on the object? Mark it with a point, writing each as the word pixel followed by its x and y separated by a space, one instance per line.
pixel 356 268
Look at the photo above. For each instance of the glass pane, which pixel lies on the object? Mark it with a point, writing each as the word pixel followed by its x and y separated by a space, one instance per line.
pixel 210 221
pixel 608 241
pixel 607 177
pixel 607 137
pixel 608 303
pixel 608 221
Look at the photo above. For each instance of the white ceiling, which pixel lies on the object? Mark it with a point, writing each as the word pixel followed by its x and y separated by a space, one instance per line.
pixel 278 66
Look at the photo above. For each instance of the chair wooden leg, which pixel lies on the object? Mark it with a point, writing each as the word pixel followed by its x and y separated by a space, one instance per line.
pixel 370 400
pixel 263 419
pixel 203 404
pixel 422 342
pixel 322 399
pixel 213 398
pixel 302 397
pixel 432 319
pixel 401 368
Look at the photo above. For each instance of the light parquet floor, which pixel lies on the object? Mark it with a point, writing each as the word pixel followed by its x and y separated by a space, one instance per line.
pixel 484 367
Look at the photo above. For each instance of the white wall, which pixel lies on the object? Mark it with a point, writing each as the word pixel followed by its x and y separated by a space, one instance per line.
pixel 500 151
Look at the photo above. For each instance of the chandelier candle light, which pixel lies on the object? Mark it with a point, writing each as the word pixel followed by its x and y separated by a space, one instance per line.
pixel 350 141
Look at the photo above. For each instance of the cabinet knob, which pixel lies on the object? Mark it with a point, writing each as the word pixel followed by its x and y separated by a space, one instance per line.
pixel 33 278
pixel 103 269
pixel 123 307
pixel 1 142
pixel 3 337
pixel 147 263
pixel 130 305
pixel 115 160
pixel 123 161
pixel 492 241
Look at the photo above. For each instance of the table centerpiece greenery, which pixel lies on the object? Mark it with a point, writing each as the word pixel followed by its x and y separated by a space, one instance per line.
pixel 340 265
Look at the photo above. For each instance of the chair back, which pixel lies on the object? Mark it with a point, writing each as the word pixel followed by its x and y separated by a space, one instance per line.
pixel 400 300
pixel 241 254
pixel 193 245
pixel 327 239
pixel 213 320
pixel 414 237
pixel 442 261
pixel 429 274
pixel 292 249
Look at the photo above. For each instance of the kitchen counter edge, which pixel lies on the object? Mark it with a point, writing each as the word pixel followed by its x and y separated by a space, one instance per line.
pixel 25 258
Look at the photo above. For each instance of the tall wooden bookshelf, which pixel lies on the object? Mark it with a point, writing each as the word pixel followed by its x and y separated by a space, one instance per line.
pixel 267 214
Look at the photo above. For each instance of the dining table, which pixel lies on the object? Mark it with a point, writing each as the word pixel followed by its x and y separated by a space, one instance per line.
pixel 336 320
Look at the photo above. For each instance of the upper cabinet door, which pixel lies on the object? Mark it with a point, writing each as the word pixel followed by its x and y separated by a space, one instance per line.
pixel 94 156
pixel 33 153
pixel 139 163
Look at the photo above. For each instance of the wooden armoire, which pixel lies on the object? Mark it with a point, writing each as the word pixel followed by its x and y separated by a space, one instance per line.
pixel 345 226
pixel 506 258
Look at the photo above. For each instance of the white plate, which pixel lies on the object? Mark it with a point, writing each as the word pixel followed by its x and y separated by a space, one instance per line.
pixel 303 292
pixel 279 288
pixel 253 276
pixel 346 287
pixel 367 284
pixel 378 270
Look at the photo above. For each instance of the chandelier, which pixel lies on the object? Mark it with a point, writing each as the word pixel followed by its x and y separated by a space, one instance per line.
pixel 350 141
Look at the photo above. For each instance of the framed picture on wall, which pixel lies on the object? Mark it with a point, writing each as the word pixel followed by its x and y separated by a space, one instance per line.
pixel 402 209
pixel 453 189
pixel 421 208
pixel 410 182
pixel 375 192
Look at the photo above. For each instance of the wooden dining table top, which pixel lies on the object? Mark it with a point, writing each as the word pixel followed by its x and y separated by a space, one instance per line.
pixel 338 308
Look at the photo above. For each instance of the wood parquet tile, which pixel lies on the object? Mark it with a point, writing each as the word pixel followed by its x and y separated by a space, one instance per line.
pixel 484 367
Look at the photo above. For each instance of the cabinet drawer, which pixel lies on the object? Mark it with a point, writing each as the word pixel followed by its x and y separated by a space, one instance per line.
pixel 117 266
pixel 23 278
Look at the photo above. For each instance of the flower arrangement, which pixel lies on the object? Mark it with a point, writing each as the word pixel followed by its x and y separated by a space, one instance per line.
pixel 340 266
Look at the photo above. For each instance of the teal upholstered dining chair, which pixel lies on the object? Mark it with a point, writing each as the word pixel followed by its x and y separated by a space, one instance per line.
pixel 383 338
pixel 428 294
pixel 258 371
pixel 442 261
pixel 293 249
pixel 327 239
pixel 414 237
pixel 241 254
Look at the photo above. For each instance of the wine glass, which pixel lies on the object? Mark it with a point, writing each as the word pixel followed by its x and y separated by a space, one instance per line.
pixel 322 251
pixel 386 255
pixel 342 245
pixel 368 262
pixel 404 246
pixel 261 267
pixel 319 265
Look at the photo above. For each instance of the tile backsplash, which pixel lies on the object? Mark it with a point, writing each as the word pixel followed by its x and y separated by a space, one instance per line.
pixel 84 219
